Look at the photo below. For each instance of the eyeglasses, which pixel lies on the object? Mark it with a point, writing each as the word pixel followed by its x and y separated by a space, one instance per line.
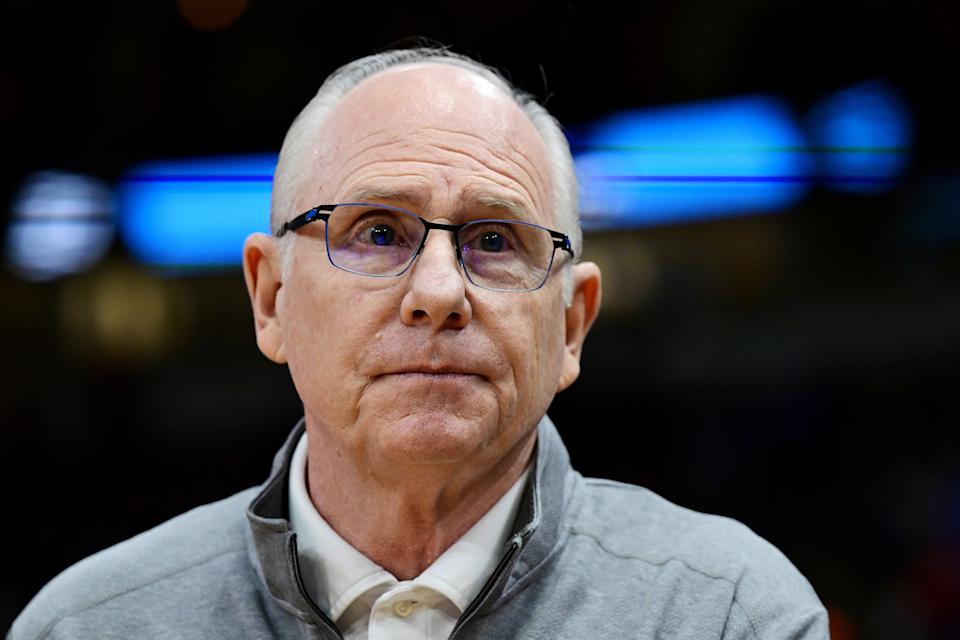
pixel 383 241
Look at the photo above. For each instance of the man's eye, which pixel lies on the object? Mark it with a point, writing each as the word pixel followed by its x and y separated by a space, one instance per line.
pixel 381 235
pixel 492 242
pixel 489 238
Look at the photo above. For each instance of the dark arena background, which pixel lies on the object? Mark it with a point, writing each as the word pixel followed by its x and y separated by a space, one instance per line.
pixel 771 188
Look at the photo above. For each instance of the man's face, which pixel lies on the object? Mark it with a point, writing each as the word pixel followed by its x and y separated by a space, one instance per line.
pixel 425 367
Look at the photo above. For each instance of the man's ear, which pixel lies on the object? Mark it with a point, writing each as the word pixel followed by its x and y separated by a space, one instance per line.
pixel 580 316
pixel 262 272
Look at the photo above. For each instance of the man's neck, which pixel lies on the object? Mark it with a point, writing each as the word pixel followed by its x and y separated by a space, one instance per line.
pixel 406 519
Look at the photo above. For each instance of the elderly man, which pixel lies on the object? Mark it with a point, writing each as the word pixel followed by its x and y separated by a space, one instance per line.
pixel 423 288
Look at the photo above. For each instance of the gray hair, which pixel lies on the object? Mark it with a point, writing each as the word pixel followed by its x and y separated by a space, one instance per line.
pixel 295 155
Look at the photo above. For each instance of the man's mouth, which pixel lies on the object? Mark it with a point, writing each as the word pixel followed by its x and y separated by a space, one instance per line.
pixel 434 373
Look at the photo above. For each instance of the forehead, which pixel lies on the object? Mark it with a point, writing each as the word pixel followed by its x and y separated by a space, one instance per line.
pixel 432 128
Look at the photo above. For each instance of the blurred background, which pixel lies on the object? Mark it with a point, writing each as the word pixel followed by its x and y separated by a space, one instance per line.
pixel 772 190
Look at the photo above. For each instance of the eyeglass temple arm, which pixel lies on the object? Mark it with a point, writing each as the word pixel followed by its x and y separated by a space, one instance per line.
pixel 561 241
pixel 306 218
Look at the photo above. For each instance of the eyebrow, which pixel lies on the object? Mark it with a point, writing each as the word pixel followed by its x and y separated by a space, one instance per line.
pixel 416 196
pixel 364 194
pixel 514 208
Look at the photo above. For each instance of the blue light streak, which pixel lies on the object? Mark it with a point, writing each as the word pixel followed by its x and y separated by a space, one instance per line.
pixel 865 131
pixel 197 212
pixel 691 162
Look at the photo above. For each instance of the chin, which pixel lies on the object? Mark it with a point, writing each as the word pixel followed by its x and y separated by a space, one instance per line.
pixel 433 437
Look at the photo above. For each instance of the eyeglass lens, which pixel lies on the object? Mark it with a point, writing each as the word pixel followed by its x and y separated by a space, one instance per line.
pixel 496 254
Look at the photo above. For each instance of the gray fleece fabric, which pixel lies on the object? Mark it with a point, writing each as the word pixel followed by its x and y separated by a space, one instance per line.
pixel 588 559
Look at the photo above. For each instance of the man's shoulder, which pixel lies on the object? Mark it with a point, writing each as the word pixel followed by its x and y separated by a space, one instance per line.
pixel 635 523
pixel 170 553
pixel 632 520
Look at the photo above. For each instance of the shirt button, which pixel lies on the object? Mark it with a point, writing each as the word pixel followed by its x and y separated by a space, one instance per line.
pixel 403 608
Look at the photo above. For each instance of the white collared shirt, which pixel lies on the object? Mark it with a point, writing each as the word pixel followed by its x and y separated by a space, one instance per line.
pixel 369 603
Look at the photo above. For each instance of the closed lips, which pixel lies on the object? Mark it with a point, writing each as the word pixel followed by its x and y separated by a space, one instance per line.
pixel 439 372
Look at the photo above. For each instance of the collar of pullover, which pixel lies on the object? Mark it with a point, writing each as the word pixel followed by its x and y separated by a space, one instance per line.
pixel 536 532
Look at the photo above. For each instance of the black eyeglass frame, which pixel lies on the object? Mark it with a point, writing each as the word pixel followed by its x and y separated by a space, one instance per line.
pixel 323 212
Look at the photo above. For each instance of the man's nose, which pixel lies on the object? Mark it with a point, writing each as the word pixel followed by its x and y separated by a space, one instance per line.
pixel 436 295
